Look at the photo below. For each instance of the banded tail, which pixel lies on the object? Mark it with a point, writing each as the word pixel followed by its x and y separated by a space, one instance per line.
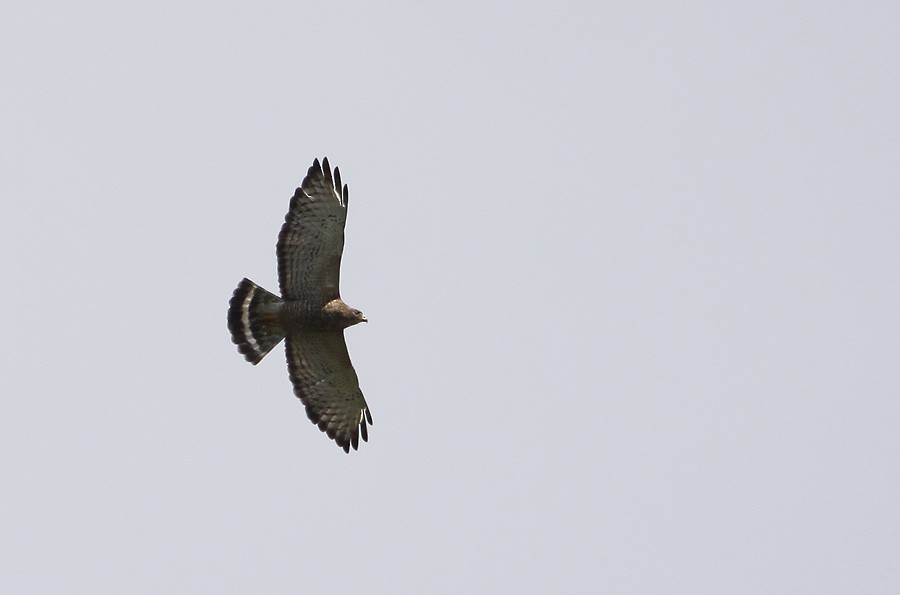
pixel 254 321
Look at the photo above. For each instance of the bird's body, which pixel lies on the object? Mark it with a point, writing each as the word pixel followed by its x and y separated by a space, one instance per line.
pixel 335 315
pixel 310 314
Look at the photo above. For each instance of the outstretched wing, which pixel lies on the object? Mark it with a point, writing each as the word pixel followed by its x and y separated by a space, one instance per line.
pixel 312 238
pixel 325 381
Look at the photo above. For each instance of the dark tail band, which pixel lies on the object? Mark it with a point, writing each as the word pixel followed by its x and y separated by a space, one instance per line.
pixel 254 322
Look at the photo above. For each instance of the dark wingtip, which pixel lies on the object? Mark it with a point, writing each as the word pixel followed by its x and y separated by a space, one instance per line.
pixel 326 170
pixel 315 170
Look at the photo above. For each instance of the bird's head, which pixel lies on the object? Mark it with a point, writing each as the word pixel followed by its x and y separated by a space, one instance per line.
pixel 356 317
pixel 347 316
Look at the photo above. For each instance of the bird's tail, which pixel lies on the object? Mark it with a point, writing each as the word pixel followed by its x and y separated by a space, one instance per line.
pixel 254 320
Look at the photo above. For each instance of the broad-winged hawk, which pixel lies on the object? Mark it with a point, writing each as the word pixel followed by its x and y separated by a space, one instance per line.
pixel 310 314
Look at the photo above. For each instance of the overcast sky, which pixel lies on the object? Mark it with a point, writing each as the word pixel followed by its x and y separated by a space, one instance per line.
pixel 631 271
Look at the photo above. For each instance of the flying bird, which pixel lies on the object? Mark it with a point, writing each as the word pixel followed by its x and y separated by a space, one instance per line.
pixel 310 314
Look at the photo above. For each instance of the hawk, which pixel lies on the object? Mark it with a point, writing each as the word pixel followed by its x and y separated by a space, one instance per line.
pixel 310 314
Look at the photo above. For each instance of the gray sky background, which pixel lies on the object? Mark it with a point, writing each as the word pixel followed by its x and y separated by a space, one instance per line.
pixel 631 270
